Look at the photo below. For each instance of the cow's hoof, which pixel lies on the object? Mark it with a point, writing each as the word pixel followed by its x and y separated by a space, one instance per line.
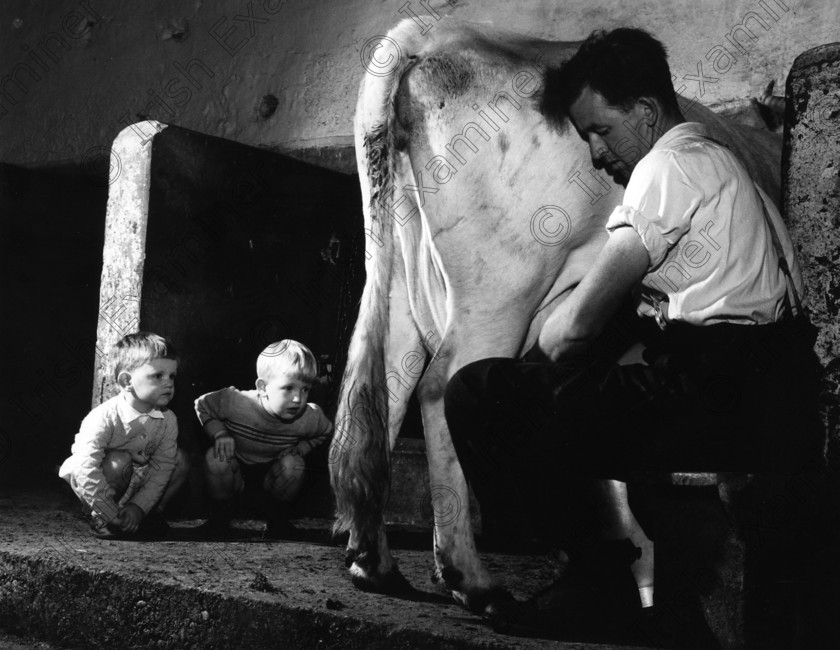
pixel 513 617
pixel 479 600
pixel 392 583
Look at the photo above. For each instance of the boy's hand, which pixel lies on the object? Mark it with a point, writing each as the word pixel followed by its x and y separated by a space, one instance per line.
pixel 130 517
pixel 224 447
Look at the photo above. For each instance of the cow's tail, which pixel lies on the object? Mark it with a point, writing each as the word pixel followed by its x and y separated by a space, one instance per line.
pixel 360 451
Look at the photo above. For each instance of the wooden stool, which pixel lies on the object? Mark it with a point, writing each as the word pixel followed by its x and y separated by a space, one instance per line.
pixel 730 555
pixel 715 545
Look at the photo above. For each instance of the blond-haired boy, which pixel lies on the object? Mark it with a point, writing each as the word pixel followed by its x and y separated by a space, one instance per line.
pixel 260 437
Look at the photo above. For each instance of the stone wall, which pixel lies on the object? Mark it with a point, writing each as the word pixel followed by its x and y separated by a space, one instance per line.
pixel 811 180
pixel 284 73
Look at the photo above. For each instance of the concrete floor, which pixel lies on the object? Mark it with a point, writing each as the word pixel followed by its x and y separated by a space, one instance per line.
pixel 61 585
pixel 14 642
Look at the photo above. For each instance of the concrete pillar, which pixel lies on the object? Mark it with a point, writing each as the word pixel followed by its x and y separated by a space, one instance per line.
pixel 811 199
pixel 124 250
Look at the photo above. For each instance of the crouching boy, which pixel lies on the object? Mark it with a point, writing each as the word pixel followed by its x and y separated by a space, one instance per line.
pixel 260 438
pixel 125 464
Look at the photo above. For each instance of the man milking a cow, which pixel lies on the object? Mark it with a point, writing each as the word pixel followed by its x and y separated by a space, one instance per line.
pixel 728 381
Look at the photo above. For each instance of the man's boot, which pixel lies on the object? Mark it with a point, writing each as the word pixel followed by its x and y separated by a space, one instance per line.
pixel 596 598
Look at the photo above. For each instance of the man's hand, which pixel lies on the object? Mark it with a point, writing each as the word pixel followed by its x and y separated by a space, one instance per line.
pixel 224 447
pixel 130 517
pixel 577 320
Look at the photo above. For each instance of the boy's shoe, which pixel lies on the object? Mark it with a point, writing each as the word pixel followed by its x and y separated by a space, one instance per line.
pixel 217 525
pixel 153 526
pixel 278 525
pixel 281 528
pixel 214 528
pixel 100 529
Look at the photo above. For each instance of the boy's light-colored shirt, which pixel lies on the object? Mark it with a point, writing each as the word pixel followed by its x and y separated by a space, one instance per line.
pixel 151 439
pixel 700 216
pixel 260 436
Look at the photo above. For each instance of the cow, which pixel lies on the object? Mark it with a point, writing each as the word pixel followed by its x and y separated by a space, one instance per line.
pixel 480 217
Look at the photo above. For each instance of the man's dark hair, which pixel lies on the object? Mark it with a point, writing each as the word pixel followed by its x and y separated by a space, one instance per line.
pixel 622 65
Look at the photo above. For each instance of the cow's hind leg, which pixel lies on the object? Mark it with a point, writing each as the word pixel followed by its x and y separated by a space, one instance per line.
pixel 371 565
pixel 456 558
pixel 457 562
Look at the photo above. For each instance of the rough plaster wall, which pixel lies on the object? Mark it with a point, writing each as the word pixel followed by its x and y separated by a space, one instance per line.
pixel 307 54
pixel 811 176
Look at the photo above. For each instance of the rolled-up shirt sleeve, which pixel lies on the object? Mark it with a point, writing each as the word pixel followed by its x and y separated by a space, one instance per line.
pixel 658 204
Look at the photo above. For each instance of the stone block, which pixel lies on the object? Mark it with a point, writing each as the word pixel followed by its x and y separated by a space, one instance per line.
pixel 811 200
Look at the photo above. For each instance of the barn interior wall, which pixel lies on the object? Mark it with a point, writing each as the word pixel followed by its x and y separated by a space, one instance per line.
pixel 283 73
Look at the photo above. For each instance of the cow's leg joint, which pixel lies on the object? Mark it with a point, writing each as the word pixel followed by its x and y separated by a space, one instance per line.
pixel 452 577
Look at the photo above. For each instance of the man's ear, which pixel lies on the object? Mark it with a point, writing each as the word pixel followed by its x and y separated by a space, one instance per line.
pixel 124 380
pixel 650 110
pixel 261 385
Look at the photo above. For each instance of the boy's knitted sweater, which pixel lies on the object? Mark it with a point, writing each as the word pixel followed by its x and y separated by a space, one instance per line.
pixel 260 436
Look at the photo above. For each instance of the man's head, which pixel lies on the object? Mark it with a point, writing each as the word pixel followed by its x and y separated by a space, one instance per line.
pixel 285 373
pixel 617 92
pixel 145 365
